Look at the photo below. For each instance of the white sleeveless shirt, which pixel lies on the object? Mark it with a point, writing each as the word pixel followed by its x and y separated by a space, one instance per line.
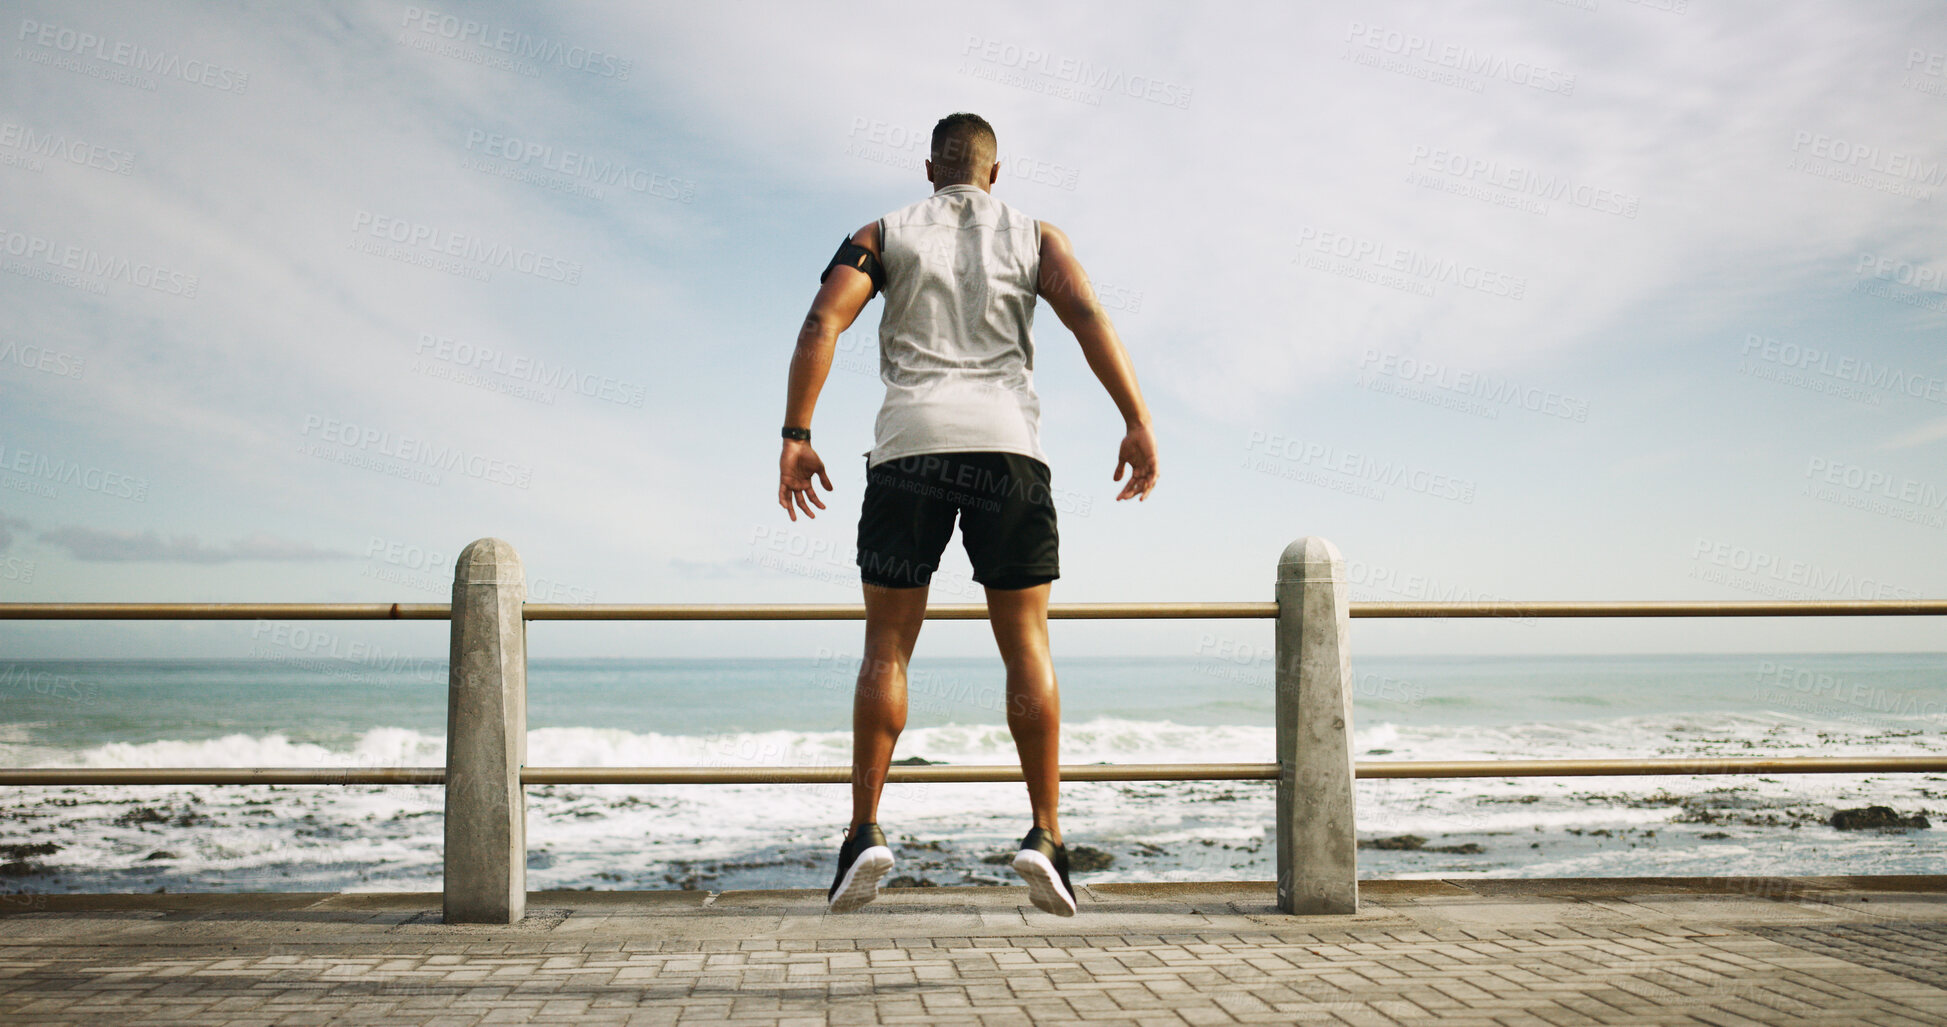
pixel 955 348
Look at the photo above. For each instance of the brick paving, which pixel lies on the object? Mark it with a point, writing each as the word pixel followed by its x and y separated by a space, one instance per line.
pixel 1724 952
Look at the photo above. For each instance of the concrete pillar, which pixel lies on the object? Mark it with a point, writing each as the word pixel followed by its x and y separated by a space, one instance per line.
pixel 1317 847
pixel 486 739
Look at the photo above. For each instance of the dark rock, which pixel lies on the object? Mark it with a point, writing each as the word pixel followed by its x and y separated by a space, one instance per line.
pixel 142 815
pixel 20 868
pixel 999 859
pixel 909 881
pixel 1406 842
pixel 161 854
pixel 916 761
pixel 1415 843
pixel 13 852
pixel 1083 859
pixel 1876 817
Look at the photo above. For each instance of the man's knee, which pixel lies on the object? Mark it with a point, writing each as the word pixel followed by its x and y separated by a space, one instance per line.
pixel 1028 665
pixel 881 666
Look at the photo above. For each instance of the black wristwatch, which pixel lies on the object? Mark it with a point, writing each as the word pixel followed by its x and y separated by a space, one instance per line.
pixel 801 434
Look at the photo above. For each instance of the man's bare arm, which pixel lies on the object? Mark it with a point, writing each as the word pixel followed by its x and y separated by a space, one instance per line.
pixel 844 293
pixel 1066 288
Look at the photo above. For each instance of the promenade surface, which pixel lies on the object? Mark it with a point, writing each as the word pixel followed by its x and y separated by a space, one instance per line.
pixel 1727 952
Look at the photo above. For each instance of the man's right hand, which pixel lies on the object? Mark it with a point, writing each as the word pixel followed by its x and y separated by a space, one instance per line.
pixel 1138 454
pixel 795 468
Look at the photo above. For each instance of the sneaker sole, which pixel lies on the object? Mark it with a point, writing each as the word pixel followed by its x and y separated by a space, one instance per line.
pixel 1044 885
pixel 861 884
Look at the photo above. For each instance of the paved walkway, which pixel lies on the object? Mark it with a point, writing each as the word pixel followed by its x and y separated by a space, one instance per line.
pixel 1661 951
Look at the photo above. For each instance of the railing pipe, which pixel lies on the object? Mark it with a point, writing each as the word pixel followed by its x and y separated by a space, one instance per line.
pixel 976 611
pixel 966 773
pixel 1661 608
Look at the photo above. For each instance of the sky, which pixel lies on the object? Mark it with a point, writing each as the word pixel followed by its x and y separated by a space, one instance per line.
pixel 1521 299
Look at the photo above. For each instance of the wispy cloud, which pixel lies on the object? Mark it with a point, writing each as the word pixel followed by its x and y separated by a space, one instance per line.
pixel 98 546
pixel 1712 175
pixel 1932 431
pixel 7 525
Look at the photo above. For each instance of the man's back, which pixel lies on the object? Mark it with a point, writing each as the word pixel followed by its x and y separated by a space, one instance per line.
pixel 961 272
pixel 956 347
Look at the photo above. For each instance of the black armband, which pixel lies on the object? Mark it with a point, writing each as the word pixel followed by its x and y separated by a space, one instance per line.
pixel 852 255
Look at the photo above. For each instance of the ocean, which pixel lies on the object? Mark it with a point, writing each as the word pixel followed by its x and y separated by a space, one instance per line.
pixel 765 712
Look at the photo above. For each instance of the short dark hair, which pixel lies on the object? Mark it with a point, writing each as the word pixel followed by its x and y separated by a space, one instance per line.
pixel 963 145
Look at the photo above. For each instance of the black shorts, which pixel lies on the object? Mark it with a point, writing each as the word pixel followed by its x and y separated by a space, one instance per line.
pixel 1006 511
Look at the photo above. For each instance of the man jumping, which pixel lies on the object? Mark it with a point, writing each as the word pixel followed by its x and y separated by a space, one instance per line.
pixel 957 435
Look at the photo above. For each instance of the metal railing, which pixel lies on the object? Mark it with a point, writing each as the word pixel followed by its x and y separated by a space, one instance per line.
pixel 486 772
pixel 973 611
pixel 975 774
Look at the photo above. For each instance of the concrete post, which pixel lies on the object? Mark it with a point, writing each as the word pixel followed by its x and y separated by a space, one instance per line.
pixel 486 739
pixel 1317 847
